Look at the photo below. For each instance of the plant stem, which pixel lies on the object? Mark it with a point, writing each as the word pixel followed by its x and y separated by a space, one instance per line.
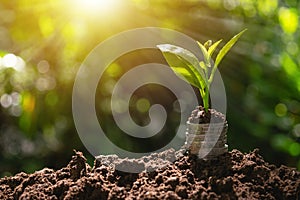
pixel 205 99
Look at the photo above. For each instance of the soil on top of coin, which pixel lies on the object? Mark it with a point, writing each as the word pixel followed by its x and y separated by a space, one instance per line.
pixel 200 116
pixel 233 175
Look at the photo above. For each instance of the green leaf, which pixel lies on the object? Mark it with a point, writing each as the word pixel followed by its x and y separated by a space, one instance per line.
pixel 213 47
pixel 182 69
pixel 227 47
pixel 184 63
pixel 223 52
pixel 204 52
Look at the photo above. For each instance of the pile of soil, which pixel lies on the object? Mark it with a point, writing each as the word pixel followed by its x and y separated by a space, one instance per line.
pixel 233 175
pixel 200 116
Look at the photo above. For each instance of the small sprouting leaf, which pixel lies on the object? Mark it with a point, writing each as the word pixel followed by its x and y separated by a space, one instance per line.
pixel 204 52
pixel 207 44
pixel 227 47
pixel 184 63
pixel 213 47
pixel 202 65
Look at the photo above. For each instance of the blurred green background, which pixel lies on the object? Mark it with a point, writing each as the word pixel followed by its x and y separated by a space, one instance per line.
pixel 43 43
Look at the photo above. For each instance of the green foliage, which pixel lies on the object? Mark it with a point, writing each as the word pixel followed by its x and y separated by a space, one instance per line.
pixel 186 65
pixel 223 52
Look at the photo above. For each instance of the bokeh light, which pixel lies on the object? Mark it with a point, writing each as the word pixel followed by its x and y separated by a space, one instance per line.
pixel 13 61
pixel 6 100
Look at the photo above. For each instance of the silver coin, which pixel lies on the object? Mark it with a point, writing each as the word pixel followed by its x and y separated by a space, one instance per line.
pixel 207 138
pixel 210 131
pixel 205 144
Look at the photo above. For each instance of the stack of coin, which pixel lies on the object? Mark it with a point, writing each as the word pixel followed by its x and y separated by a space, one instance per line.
pixel 207 140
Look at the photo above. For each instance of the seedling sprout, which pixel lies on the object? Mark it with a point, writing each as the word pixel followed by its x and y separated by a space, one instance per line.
pixel 198 73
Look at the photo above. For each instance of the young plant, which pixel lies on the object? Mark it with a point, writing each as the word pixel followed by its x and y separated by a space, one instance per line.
pixel 198 73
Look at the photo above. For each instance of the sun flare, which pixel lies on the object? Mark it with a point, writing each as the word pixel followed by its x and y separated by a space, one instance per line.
pixel 96 6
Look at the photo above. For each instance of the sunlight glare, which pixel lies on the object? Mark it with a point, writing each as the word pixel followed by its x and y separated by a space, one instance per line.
pixel 96 6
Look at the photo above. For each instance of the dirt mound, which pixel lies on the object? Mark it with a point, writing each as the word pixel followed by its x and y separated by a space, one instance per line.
pixel 233 175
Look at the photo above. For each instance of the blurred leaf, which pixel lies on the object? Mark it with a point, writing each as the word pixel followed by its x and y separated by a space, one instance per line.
pixel 288 19
pixel 46 25
pixel 267 7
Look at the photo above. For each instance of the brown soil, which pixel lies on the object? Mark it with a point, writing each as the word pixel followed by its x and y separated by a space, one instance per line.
pixel 233 175
pixel 200 116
